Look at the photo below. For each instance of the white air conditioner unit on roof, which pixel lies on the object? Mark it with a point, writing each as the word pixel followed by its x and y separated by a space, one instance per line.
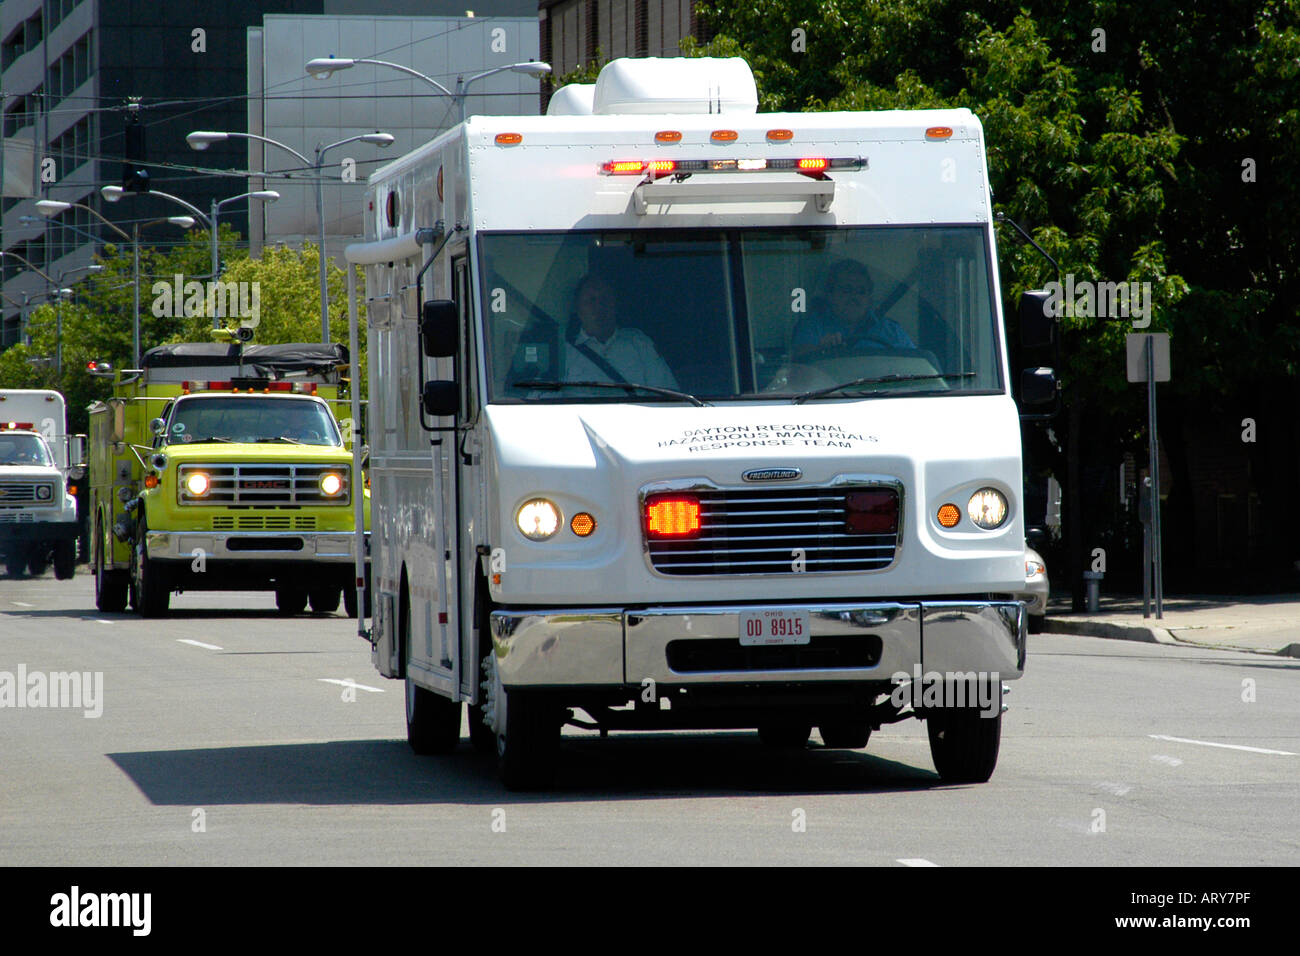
pixel 676 85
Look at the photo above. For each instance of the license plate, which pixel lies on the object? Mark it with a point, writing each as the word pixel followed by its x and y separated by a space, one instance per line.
pixel 766 628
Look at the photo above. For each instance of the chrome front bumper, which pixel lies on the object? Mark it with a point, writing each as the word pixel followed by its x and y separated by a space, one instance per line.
pixel 851 642
pixel 270 546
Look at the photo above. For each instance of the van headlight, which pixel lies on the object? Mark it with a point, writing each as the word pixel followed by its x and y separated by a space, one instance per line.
pixel 537 519
pixel 987 508
pixel 44 492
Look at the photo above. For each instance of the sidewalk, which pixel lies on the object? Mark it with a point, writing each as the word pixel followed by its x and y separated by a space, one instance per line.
pixel 1267 624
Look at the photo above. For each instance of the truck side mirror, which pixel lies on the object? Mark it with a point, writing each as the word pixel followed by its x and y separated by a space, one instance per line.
pixel 440 399
pixel 76 450
pixel 439 323
pixel 1037 387
pixel 158 426
pixel 1037 324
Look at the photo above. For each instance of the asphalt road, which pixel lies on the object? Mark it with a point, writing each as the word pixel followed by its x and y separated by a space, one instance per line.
pixel 249 751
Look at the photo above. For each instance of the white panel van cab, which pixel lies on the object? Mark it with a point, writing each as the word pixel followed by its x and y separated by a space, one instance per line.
pixel 685 416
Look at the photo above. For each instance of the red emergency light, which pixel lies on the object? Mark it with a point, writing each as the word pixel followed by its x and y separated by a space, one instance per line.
pixel 17 426
pixel 672 517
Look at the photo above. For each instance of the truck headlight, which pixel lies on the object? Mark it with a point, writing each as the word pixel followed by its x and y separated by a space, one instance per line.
pixel 987 508
pixel 331 484
pixel 44 492
pixel 538 519
pixel 197 484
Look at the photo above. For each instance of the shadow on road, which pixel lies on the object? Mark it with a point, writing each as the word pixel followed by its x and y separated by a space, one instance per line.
pixel 385 772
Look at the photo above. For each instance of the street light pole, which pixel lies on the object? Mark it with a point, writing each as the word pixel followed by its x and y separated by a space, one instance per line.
pixel 202 139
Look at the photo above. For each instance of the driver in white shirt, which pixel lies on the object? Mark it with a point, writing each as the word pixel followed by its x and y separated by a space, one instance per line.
pixel 604 351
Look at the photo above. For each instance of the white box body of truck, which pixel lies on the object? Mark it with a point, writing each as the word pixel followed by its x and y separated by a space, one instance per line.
pixel 722 426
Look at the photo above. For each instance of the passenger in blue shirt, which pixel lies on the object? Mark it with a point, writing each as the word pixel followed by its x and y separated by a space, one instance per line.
pixel 851 320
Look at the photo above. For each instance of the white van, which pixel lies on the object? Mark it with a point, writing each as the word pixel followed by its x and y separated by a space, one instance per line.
pixel 686 416
pixel 39 467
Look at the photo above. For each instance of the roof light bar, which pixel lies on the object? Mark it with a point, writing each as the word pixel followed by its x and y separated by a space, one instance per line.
pixel 663 167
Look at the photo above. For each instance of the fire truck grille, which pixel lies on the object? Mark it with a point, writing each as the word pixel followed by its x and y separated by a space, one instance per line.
pixel 782 531
pixel 251 484
pixel 263 523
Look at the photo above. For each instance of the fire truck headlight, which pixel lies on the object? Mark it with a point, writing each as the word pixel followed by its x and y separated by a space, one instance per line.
pixel 538 519
pixel 331 484
pixel 197 484
pixel 987 508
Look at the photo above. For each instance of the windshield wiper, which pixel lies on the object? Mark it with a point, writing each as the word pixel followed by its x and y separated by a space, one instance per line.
pixel 201 441
pixel 873 380
pixel 625 386
pixel 292 441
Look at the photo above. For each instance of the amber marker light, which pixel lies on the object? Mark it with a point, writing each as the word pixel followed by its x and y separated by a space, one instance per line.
pixel 672 517
pixel 582 524
pixel 948 515
pixel 509 139
pixel 938 132
pixel 780 135
pixel 151 481
pixel 725 135
pixel 668 136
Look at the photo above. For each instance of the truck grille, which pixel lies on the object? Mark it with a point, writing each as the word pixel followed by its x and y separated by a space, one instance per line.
pixel 779 531
pixel 263 523
pixel 21 517
pixel 251 484
pixel 18 494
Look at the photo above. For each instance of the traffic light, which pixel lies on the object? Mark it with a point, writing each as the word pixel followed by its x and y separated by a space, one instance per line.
pixel 135 178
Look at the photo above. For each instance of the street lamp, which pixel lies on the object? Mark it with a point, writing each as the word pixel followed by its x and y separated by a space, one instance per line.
pixel 322 67
pixel 202 139
pixel 50 208
pixel 115 194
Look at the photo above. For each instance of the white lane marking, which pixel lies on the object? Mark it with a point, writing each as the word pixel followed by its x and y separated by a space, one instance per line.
pixel 206 647
pixel 22 604
pixel 916 862
pixel 349 683
pixel 100 620
pixel 1118 789
pixel 1165 758
pixel 1210 743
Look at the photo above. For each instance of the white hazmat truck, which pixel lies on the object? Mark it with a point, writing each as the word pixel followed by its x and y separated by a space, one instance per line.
pixel 684 416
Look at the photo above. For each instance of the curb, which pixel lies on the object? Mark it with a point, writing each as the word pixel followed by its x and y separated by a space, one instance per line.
pixel 1146 634
pixel 1116 632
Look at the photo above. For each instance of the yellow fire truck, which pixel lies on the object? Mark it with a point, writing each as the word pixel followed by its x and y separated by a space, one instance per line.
pixel 223 467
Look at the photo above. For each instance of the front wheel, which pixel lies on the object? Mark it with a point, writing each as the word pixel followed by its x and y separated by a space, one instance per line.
pixel 38 562
pixel 290 600
pixel 324 600
pixel 845 734
pixel 527 730
pixel 150 591
pixel 65 559
pixel 964 743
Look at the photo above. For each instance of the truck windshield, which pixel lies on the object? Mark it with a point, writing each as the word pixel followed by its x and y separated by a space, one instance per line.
pixel 784 314
pixel 217 419
pixel 24 450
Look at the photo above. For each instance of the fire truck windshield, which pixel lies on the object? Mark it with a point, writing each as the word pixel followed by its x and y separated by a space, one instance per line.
pixel 214 418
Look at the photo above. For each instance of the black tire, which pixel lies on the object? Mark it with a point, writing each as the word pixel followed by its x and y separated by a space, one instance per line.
pixel 324 600
pixel 65 559
pixel 111 587
pixel 784 735
pixel 845 734
pixel 16 567
pixel 38 561
pixel 530 747
pixel 290 600
pixel 1036 623
pixel 964 743
pixel 432 721
pixel 481 737
pixel 350 599
pixel 150 590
